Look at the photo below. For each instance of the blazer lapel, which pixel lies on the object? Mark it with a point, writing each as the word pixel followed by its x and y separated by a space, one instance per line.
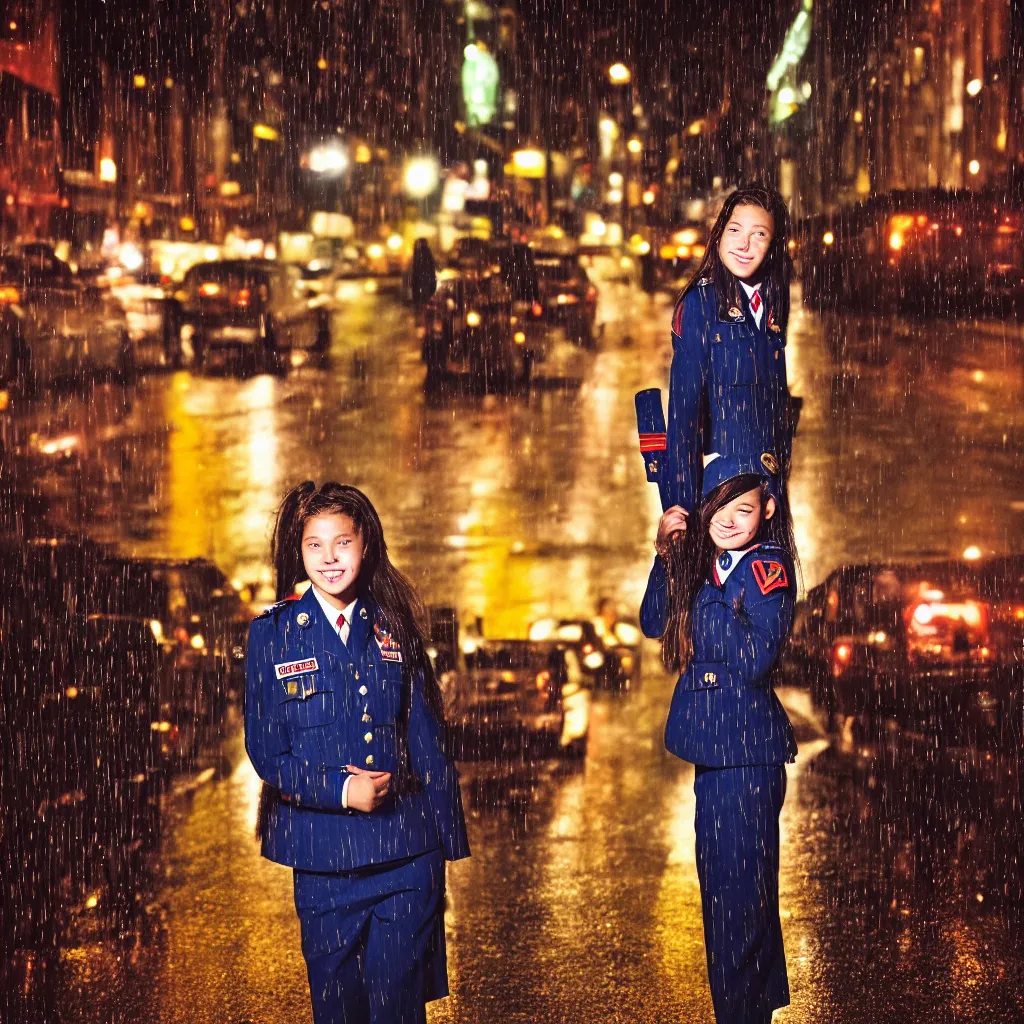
pixel 323 634
pixel 360 628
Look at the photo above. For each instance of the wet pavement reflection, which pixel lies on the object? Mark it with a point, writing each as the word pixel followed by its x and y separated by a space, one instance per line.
pixel 901 887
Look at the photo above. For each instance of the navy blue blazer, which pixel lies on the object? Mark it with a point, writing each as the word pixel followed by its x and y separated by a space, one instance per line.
pixel 724 711
pixel 314 705
pixel 727 388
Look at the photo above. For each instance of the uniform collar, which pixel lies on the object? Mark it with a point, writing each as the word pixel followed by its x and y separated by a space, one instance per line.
pixel 324 617
pixel 331 612
pixel 726 562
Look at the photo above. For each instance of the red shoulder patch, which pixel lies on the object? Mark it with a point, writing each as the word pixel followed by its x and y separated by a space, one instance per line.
pixel 769 575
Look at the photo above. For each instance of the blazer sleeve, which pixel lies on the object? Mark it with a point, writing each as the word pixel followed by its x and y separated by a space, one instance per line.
pixel 753 633
pixel 687 385
pixel 436 769
pixel 266 735
pixel 654 607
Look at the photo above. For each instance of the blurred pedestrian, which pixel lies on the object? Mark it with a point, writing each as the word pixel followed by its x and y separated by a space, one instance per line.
pixel 344 723
pixel 731 590
pixel 423 274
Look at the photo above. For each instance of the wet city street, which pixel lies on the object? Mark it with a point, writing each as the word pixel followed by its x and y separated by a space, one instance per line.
pixel 902 877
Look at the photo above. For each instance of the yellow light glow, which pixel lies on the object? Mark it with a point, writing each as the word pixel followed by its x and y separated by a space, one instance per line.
pixel 974 167
pixel 394 242
pixel 635 146
pixel 648 198
pixel 896 241
pixel 828 238
pixel 375 251
pixel 187 223
pixel 858 117
pixel 198 643
pixel 529 163
pixel 363 153
pixel 322 63
pixel 615 179
pixel 139 81
pixel 972 553
pixel 265 132
pixel 973 87
pixel 473 318
pixel 615 195
pixel 519 338
pixel 685 237
pixel 230 188
pixel 696 128
pixel 108 170
pixel 71 692
pixel 619 74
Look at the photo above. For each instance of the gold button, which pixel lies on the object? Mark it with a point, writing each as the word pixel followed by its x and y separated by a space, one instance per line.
pixel 369 759
pixel 366 718
pixel 357 673
pixel 362 690
pixel 368 737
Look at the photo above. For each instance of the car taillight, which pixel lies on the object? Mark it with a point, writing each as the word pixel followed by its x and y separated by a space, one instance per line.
pixel 943 630
pixel 842 656
pixel 537 309
pixel 242 297
pixel 209 289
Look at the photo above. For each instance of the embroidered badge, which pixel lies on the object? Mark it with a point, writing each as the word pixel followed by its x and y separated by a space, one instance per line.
pixel 295 668
pixel 770 463
pixel 302 619
pixel 389 649
pixel 770 576
pixel 735 312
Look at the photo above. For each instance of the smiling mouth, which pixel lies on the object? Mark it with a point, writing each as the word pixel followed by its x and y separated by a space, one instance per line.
pixel 742 259
pixel 332 576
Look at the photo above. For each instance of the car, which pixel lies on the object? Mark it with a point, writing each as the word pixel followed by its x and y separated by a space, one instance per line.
pixel 67 332
pixel 150 315
pixel 256 307
pixel 567 296
pixel 468 330
pixel 933 646
pixel 610 657
pixel 516 699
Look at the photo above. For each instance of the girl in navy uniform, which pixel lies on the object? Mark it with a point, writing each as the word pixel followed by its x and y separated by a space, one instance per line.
pixel 344 723
pixel 727 387
pixel 730 595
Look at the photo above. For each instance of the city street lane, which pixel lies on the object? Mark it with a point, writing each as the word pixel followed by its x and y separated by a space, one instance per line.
pixel 581 900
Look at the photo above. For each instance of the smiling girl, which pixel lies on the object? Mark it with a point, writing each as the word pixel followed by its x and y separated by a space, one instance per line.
pixel 731 593
pixel 344 723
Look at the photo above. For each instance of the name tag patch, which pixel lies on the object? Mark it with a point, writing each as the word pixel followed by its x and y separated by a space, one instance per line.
pixel 295 668
pixel 389 649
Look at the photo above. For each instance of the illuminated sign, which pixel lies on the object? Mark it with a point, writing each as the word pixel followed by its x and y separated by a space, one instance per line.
pixel 480 78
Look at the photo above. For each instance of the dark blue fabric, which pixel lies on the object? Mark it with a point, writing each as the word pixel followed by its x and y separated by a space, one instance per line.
pixel 727 393
pixel 373 941
pixel 737 826
pixel 724 712
pixel 299 742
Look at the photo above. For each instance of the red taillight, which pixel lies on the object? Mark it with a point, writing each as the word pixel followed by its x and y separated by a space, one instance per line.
pixel 181 635
pixel 591 293
pixel 842 655
pixel 242 297
pixel 536 309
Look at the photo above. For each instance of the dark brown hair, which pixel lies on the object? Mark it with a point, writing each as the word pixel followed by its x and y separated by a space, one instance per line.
pixel 777 268
pixel 691 558
pixel 379 581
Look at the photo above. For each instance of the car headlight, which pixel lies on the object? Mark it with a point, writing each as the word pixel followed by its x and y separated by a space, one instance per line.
pixel 593 660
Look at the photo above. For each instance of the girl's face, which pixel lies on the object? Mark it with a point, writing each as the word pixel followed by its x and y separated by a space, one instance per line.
pixel 735 526
pixel 332 554
pixel 744 245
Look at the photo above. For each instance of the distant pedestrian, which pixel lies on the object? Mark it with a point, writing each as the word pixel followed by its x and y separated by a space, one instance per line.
pixel 730 593
pixel 423 273
pixel 344 723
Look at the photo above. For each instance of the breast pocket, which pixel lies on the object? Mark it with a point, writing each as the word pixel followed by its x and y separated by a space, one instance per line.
pixel 312 705
pixel 733 358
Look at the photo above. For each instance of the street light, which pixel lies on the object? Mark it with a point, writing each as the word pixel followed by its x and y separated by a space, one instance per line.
pixel 529 163
pixel 615 179
pixel 108 170
pixel 422 176
pixel 329 159
pixel 635 146
pixel 973 87
pixel 619 74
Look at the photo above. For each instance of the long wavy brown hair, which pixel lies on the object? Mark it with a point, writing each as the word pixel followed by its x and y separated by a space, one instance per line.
pixel 691 558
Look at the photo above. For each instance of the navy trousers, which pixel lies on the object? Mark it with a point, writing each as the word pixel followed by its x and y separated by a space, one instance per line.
pixel 373 941
pixel 738 867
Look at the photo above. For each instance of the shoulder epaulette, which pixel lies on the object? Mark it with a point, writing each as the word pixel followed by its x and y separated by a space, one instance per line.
pixel 273 609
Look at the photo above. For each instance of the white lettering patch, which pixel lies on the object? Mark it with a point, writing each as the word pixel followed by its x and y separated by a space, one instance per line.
pixel 295 668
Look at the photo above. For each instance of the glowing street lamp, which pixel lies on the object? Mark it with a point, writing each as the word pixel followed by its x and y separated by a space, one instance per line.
pixel 619 74
pixel 529 163
pixel 329 159
pixel 108 170
pixel 422 176
pixel 635 146
pixel 973 87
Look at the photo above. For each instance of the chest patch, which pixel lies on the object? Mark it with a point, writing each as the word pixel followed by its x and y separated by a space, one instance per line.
pixel 389 649
pixel 288 669
pixel 769 575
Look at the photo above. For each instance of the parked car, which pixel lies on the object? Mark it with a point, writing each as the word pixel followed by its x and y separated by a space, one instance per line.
pixel 66 332
pixel 257 307
pixel 517 698
pixel 934 646
pixel 567 296
pixel 468 330
pixel 610 658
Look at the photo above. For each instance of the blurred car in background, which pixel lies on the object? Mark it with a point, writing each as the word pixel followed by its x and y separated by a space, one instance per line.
pixel 934 646
pixel 256 307
pixel 67 332
pixel 567 296
pixel 468 330
pixel 610 658
pixel 680 250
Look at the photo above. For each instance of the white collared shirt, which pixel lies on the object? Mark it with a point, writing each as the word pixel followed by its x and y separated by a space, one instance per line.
pixel 750 289
pixel 735 558
pixel 343 632
pixel 332 615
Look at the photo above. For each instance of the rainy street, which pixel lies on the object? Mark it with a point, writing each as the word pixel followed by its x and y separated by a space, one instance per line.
pixel 902 874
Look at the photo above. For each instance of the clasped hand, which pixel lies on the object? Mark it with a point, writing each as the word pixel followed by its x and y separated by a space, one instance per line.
pixel 367 790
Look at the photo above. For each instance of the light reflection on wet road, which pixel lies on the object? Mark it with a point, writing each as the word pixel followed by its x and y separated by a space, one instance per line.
pixel 581 901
